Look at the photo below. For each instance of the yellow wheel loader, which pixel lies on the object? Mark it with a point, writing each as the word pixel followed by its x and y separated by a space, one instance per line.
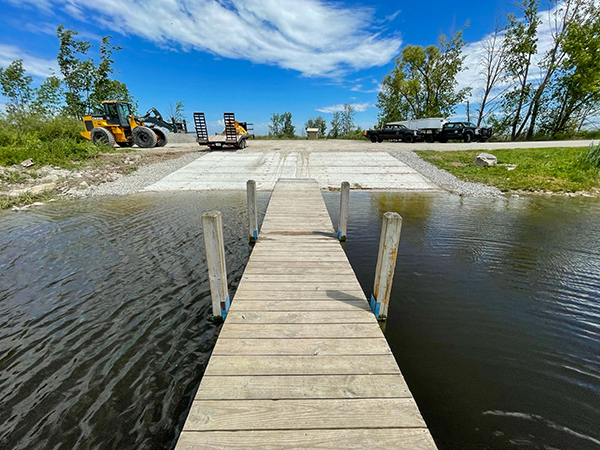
pixel 117 125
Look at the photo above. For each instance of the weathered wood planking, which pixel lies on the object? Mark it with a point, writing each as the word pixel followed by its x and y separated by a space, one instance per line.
pixel 301 361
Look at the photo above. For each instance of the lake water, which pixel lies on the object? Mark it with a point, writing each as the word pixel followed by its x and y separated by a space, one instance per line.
pixel 494 319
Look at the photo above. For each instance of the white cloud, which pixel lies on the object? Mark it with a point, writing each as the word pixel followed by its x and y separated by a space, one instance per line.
pixel 314 37
pixel 33 65
pixel 359 107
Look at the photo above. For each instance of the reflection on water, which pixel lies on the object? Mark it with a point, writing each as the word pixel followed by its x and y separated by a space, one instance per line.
pixel 104 318
pixel 494 317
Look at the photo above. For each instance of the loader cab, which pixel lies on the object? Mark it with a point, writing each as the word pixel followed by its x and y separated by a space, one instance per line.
pixel 117 113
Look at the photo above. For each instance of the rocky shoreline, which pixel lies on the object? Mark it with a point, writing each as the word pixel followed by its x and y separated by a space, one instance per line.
pixel 31 185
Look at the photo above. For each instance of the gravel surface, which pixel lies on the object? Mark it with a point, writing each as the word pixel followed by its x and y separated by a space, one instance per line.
pixel 444 179
pixel 181 138
pixel 144 176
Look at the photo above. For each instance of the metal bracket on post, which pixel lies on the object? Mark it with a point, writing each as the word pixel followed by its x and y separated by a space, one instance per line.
pixel 386 264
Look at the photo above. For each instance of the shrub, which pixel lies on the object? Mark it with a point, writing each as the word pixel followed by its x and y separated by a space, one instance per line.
pixel 592 155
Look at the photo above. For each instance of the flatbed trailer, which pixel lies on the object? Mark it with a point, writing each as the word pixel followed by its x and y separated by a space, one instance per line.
pixel 230 138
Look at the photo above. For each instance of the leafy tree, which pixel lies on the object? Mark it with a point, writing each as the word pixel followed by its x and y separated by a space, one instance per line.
pixel 16 85
pixel 574 93
pixel 281 125
pixel 423 82
pixel 347 119
pixel 336 125
pixel 48 97
pixel 106 88
pixel 177 112
pixel 78 74
pixel 318 123
pixel 276 125
pixel 520 42
pixel 288 129
pixel 88 84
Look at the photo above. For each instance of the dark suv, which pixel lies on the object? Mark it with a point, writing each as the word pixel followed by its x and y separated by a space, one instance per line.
pixel 394 132
pixel 464 131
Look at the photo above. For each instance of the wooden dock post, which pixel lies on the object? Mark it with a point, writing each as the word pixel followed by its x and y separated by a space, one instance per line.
pixel 344 207
pixel 212 225
pixel 252 212
pixel 386 263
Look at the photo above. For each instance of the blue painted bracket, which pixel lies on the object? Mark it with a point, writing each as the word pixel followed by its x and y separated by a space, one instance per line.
pixel 339 235
pixel 227 305
pixel 255 235
pixel 375 306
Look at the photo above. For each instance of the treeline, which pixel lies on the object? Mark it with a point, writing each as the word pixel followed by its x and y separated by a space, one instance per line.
pixel 341 125
pixel 84 84
pixel 558 100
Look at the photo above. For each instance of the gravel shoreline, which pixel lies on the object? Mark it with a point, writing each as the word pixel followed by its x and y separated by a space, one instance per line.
pixel 445 180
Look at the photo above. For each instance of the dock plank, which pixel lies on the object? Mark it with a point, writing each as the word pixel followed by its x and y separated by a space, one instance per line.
pixel 372 439
pixel 302 386
pixel 213 415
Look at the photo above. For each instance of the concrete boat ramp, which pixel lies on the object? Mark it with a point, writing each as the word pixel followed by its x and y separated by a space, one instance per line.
pixel 231 171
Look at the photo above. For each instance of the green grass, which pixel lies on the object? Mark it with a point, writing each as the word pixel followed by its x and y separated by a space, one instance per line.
pixel 543 169
pixel 54 141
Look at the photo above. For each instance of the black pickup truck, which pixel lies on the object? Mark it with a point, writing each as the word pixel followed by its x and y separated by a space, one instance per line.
pixel 395 132
pixel 462 131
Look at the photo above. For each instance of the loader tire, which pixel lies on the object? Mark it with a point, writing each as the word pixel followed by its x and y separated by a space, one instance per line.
pixel 161 137
pixel 144 137
pixel 101 135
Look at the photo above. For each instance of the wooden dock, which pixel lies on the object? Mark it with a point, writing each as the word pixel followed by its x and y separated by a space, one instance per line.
pixel 301 361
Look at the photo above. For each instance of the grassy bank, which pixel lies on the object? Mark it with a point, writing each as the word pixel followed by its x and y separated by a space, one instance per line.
pixel 53 141
pixel 541 169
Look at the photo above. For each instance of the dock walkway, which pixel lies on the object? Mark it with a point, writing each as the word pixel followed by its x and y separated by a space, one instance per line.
pixel 301 361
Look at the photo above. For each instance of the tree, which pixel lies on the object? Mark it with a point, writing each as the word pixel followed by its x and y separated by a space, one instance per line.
pixel 177 113
pixel 336 125
pixel 571 13
pixel 492 64
pixel 347 119
pixel 16 85
pixel 104 87
pixel 288 129
pixel 520 42
pixel 48 97
pixel 574 94
pixel 423 82
pixel 318 123
pixel 281 125
pixel 88 85
pixel 78 74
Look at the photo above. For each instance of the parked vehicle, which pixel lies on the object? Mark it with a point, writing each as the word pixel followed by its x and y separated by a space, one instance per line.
pixel 393 132
pixel 438 129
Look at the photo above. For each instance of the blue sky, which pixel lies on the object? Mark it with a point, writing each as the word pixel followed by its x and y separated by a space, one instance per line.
pixel 251 57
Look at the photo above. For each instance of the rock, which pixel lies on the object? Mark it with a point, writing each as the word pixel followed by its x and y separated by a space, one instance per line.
pixel 37 204
pixel 27 163
pixel 485 160
pixel 42 188
pixel 16 192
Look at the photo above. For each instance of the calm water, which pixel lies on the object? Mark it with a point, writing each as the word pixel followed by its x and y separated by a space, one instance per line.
pixel 494 320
